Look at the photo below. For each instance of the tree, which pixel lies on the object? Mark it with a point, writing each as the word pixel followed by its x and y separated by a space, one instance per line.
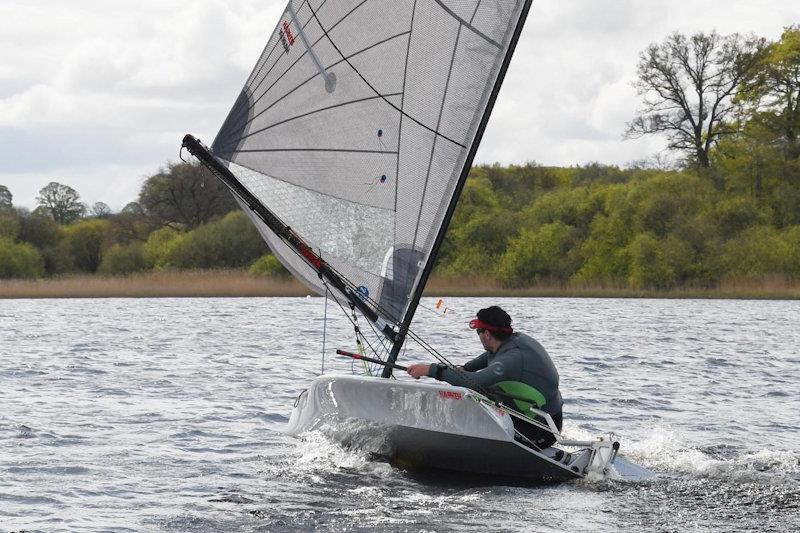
pixel 130 225
pixel 37 229
pixel 774 91
pixel 61 202
pixel 9 223
pixel 688 84
pixel 122 260
pixel 83 243
pixel 100 210
pixel 5 198
pixel 185 195
pixel 19 260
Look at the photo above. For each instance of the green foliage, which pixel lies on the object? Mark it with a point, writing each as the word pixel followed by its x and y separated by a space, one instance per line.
pixel 773 92
pixel 83 242
pixel 756 252
pixel 9 223
pixel 516 186
pixel 666 203
pixel 123 260
pixel 597 173
pixel 657 264
pixel 603 254
pixel 573 207
pixel 480 231
pixel 228 243
pixel 734 214
pixel 543 254
pixel 268 265
pixel 160 246
pixel 40 231
pixel 791 236
pixel 19 260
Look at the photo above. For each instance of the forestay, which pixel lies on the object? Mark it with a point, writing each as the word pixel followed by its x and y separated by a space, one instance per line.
pixel 356 128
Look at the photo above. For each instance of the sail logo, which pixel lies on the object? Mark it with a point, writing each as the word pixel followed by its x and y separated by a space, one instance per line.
pixel 450 395
pixel 286 35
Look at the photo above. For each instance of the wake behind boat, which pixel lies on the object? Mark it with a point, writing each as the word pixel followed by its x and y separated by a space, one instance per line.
pixel 348 148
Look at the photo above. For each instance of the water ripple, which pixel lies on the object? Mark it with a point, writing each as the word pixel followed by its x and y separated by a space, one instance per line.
pixel 167 415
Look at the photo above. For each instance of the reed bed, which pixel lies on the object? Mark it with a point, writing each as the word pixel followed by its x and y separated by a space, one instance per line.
pixel 239 283
pixel 208 283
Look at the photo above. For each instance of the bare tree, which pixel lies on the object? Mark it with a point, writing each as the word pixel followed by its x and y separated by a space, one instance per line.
pixel 687 84
pixel 99 210
pixel 61 202
pixel 185 195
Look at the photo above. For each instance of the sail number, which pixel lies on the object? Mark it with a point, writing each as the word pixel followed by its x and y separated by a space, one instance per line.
pixel 287 37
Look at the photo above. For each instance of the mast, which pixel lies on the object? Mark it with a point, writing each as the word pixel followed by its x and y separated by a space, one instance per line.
pixel 426 271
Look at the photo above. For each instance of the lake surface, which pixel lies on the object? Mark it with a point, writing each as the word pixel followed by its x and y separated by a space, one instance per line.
pixel 166 415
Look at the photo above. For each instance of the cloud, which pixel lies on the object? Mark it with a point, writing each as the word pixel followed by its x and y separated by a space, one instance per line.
pixel 90 87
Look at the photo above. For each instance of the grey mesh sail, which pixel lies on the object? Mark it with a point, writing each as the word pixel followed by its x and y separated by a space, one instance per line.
pixel 356 126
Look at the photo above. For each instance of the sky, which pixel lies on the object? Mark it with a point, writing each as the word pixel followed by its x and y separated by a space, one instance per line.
pixel 97 94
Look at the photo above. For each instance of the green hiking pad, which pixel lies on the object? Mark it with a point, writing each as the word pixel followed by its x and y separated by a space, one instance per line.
pixel 525 396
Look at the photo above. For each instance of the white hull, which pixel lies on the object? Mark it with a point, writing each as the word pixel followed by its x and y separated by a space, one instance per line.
pixel 432 425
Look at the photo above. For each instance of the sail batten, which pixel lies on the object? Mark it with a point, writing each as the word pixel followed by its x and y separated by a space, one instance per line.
pixel 356 129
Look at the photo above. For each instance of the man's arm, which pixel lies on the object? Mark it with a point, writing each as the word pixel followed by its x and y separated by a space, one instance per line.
pixel 504 368
pixel 478 363
pixel 418 370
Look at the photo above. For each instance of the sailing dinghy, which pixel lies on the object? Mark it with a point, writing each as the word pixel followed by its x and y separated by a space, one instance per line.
pixel 348 148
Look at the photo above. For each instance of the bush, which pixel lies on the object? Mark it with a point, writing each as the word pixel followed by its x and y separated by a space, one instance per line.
pixel 604 255
pixel 160 246
pixel 791 236
pixel 40 231
pixel 9 223
pixel 755 253
pixel 122 260
pixel 657 264
pixel 546 253
pixel 268 265
pixel 734 215
pixel 83 242
pixel 232 242
pixel 19 260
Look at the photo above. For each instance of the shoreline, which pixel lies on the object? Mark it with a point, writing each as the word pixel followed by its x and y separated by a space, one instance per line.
pixel 239 283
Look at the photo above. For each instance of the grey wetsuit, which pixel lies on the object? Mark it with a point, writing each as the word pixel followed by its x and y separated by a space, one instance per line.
pixel 520 367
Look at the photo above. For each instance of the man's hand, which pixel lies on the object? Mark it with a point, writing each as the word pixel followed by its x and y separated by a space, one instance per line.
pixel 418 370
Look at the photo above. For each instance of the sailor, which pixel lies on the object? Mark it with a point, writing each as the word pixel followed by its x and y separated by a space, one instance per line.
pixel 513 364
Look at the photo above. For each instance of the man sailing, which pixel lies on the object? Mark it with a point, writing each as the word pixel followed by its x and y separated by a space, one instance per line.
pixel 513 364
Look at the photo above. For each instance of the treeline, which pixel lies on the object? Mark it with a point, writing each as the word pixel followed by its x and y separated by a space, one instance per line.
pixel 637 227
pixel 183 219
pixel 596 225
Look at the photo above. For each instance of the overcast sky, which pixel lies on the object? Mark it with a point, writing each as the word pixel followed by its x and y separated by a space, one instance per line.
pixel 97 94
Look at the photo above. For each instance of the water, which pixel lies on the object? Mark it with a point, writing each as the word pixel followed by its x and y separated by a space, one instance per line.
pixel 165 415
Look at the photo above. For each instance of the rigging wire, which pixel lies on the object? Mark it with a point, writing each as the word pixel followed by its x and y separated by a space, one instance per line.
pixel 324 330
pixel 371 347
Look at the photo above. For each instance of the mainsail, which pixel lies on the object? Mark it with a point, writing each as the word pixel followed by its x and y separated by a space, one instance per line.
pixel 356 129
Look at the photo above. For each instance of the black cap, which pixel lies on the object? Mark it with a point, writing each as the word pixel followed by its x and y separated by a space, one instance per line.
pixel 495 316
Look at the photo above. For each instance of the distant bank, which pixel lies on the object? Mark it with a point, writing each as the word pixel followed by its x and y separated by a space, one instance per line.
pixel 238 283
